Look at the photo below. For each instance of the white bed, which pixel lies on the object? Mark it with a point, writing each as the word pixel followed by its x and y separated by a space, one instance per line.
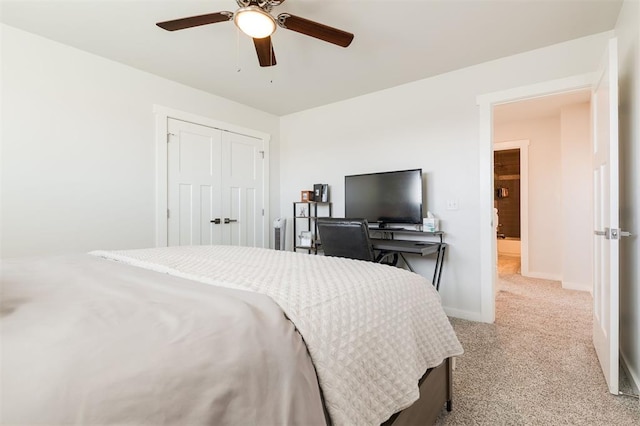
pixel 197 335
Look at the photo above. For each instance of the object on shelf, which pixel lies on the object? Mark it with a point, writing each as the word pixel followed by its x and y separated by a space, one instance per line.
pixel 321 192
pixel 306 196
pixel 302 211
pixel 306 239
pixel 430 223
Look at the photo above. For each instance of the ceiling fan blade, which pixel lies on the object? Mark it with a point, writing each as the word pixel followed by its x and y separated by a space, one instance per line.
pixel 315 29
pixel 195 21
pixel 264 49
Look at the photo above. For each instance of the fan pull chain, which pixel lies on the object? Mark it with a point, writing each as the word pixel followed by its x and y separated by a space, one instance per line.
pixel 238 69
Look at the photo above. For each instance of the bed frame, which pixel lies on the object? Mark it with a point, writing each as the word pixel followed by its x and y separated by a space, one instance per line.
pixel 436 390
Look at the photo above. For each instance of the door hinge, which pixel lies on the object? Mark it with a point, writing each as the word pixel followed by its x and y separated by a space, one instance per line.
pixel 262 153
pixel 168 213
pixel 262 212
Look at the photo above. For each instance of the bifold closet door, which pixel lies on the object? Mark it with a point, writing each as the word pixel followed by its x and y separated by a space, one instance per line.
pixel 215 187
pixel 243 190
pixel 194 184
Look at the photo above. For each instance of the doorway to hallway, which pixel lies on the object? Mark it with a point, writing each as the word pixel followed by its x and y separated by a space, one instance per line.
pixel 549 137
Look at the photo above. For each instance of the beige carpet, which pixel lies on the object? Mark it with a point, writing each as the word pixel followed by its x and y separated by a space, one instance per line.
pixel 536 365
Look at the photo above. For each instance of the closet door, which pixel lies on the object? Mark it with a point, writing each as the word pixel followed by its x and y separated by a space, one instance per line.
pixel 242 190
pixel 215 191
pixel 194 184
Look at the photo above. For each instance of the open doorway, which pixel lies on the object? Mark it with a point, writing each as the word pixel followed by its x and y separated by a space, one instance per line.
pixel 542 188
pixel 489 104
pixel 561 204
pixel 605 330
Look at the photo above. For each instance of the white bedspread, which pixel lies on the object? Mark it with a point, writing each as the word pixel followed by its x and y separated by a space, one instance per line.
pixel 372 330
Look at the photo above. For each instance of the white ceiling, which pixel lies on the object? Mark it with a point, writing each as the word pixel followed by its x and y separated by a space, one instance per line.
pixel 396 42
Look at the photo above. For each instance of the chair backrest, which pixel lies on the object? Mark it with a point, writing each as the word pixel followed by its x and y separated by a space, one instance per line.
pixel 345 238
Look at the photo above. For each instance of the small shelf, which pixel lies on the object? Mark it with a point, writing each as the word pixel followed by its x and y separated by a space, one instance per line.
pixel 306 222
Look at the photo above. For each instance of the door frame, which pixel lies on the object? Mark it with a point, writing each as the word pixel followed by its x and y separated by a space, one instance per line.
pixel 488 244
pixel 523 147
pixel 162 115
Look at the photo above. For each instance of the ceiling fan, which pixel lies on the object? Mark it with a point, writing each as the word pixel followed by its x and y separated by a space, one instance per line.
pixel 254 19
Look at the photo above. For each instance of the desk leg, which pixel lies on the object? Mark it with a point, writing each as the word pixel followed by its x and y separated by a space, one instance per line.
pixel 439 263
pixel 435 280
pixel 406 262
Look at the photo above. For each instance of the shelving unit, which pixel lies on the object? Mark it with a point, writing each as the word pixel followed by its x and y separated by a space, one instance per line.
pixel 305 214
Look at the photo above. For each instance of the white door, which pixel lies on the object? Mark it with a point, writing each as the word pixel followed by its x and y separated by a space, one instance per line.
pixel 207 204
pixel 606 226
pixel 242 190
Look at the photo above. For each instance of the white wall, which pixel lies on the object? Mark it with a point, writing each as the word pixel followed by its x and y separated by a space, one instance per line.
pixel 545 191
pixel 576 230
pixel 78 147
pixel 432 124
pixel 629 90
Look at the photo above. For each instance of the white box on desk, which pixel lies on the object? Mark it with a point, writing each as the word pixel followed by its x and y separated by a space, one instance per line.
pixel 430 224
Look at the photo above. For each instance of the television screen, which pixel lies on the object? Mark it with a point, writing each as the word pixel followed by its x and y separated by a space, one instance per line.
pixel 388 197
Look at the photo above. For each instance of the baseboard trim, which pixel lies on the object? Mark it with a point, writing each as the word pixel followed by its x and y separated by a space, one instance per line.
pixel 543 276
pixel 634 377
pixel 577 286
pixel 465 315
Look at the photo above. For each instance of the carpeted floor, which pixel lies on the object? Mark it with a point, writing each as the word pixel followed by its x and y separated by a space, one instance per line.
pixel 536 365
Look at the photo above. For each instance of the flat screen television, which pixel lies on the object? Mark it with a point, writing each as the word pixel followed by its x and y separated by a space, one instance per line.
pixel 385 198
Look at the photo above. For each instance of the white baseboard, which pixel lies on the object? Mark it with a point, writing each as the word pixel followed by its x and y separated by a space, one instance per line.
pixel 634 376
pixel 577 286
pixel 465 315
pixel 543 276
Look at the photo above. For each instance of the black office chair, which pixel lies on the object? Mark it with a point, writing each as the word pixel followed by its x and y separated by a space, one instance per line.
pixel 348 238
pixel 345 238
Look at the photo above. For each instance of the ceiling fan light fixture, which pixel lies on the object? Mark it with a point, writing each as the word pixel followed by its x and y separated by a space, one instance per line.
pixel 254 22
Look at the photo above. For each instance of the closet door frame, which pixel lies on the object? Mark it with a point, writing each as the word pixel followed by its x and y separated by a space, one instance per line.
pixel 162 116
